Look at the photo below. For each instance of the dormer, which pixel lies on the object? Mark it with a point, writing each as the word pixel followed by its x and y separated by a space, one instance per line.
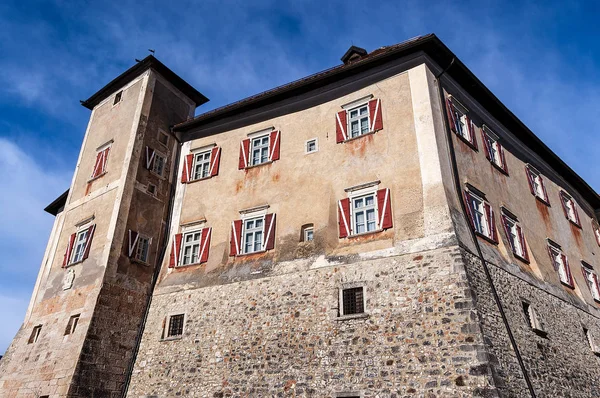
pixel 353 54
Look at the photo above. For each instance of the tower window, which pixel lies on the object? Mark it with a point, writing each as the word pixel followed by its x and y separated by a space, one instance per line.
pixel 35 334
pixel 118 97
pixel 72 324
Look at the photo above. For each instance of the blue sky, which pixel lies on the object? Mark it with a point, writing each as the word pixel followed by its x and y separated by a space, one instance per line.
pixel 540 59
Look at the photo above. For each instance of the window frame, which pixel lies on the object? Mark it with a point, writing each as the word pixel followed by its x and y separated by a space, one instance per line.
pixel 488 231
pixel 255 230
pixel 155 162
pixel 308 234
pixel 162 133
pixel 142 238
pixel 594 347
pixel 306 144
pixel 167 326
pixel 567 200
pixel 35 334
pixel 261 146
pixel 118 98
pixel 461 117
pixel 594 284
pixel 341 315
pixel 516 228
pixel 192 232
pixel 533 319
pixel 535 177
pixel 154 191
pixel 349 120
pixel 556 253
pixel 72 324
pixel 205 164
pixel 596 231
pixel 491 141
pixel 82 230
pixel 364 209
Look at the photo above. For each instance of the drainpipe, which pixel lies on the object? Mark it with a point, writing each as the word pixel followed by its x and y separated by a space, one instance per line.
pixel 463 205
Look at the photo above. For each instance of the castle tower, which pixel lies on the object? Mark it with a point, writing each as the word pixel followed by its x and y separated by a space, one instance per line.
pixel 97 273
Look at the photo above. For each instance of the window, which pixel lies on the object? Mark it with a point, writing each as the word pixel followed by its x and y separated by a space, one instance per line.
pixel 151 189
pixel 259 150
pixel 78 246
pixel 596 229
pixel 158 166
pixel 481 215
pixel 163 138
pixel 591 279
pixel 460 122
pixel 118 97
pixel 560 263
pixel 592 343
pixel 175 327
pixel 515 236
pixel 352 301
pixel 142 249
pixel 358 118
pixel 536 184
pixel 201 165
pixel 358 121
pixel 254 233
pixel 72 324
pixel 35 334
pixel 308 234
pixel 494 152
pixel 100 165
pixel 195 250
pixel 80 243
pixel 533 318
pixel 366 210
pixel 191 247
pixel 569 208
pixel 311 146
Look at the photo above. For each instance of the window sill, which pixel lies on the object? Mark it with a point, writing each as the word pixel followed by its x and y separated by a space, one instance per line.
pixel 95 178
pixel 466 141
pixel 544 201
pixel 249 254
pixel 567 284
pixel 539 332
pixel 359 136
pixel 134 260
pixel 363 315
pixel 190 265
pixel 73 264
pixel 523 259
pixel 162 177
pixel 173 338
pixel 485 237
pixel 499 168
pixel 258 165
pixel 365 234
pixel 199 179
pixel 574 223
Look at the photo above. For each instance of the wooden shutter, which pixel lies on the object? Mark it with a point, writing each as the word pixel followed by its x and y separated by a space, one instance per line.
pixel 341 124
pixel 132 242
pixel 451 115
pixel 576 213
pixel 69 249
pixel 98 165
pixel 469 210
pixel 175 250
pixel 521 237
pixel 563 197
pixel 546 198
pixel 503 158
pixel 471 128
pixel 489 212
pixel 205 244
pixel 274 145
pixel 530 180
pixel 375 115
pixel 384 206
pixel 507 232
pixel 567 269
pixel 269 234
pixel 186 174
pixel 596 230
pixel 244 154
pixel 149 157
pixel 552 258
pixel 215 159
pixel 88 241
pixel 344 217
pixel 235 244
pixel 597 286
pixel 486 146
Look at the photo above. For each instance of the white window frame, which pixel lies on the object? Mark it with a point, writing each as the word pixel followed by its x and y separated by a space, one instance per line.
pixel 118 98
pixel 538 183
pixel 569 203
pixel 558 262
pixel 533 318
pixel 204 163
pixel 72 324
pixel 596 229
pixel 483 222
pixel 354 211
pixel 159 171
pixel 519 250
pixel 139 248
pixel 77 257
pixel 165 333
pixel 494 147
pixel 35 334
pixel 253 232
pixel 590 281
pixel 309 232
pixel 591 341
pixel 306 144
pixel 460 115
pixel 191 244
pixel 262 147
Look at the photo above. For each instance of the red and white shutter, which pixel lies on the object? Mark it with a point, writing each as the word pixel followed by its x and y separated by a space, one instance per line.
pixel 149 158
pixel 506 226
pixel 215 159
pixel 384 205
pixel 503 158
pixel 597 287
pixel 98 165
pixel 563 198
pixel 235 244
pixel 576 213
pixel 132 242
pixel 344 220
pixel 489 212
pixel 274 145
pixel 565 261
pixel 471 128
pixel 451 114
pixel 175 250
pixel 186 173
pixel 521 237
pixel 546 198
pixel 530 181
pixel 468 202
pixel 341 125
pixel 375 115
pixel 269 233
pixel 486 146
pixel 69 249
pixel 244 154
pixel 205 244
pixel 88 241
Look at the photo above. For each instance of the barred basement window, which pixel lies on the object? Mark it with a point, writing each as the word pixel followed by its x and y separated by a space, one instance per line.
pixel 118 97
pixel 175 325
pixel 533 319
pixel 353 301
pixel 35 334
pixel 72 324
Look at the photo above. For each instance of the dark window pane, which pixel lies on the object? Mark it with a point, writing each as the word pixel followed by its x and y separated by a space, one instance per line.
pixel 353 301
pixel 175 326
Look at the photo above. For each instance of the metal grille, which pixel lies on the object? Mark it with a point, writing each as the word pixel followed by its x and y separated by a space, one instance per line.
pixel 352 300
pixel 175 325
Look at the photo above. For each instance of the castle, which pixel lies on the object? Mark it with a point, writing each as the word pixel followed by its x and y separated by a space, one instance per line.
pixel 384 228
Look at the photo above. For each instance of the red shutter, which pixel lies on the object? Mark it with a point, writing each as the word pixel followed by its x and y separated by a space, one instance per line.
pixel 235 244
pixel 69 249
pixel 384 205
pixel 88 241
pixel 546 198
pixel 186 174
pixel 507 232
pixel 576 213
pixel 469 210
pixel 597 285
pixel 375 115
pixel 269 233
pixel 521 237
pixel 341 124
pixel 503 158
pixel 205 244
pixel 471 128
pixel 105 159
pixel 244 154
pixel 552 258
pixel 489 212
pixel 215 159
pixel 98 165
pixel 149 157
pixel 344 218
pixel 596 229
pixel 274 145
pixel 451 115
pixel 133 240
pixel 568 270
pixel 530 181
pixel 564 206
pixel 486 146
pixel 175 250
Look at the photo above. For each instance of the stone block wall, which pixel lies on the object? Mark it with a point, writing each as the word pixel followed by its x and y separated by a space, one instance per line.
pixel 281 336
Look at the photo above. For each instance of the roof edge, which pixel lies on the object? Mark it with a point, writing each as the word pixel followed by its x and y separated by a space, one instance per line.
pixel 58 204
